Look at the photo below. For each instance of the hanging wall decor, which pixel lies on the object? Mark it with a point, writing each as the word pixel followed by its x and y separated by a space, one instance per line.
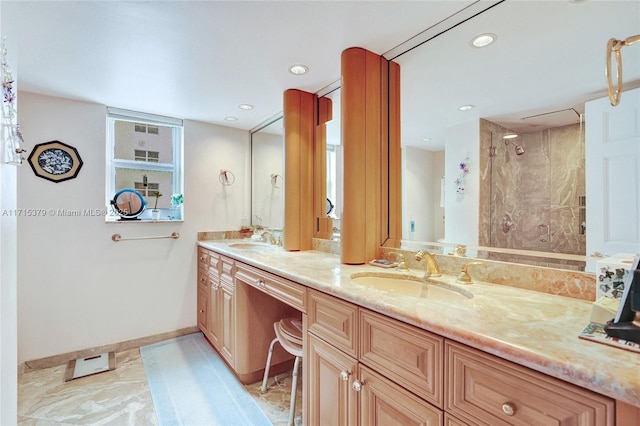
pixel 12 139
pixel 464 171
pixel 55 161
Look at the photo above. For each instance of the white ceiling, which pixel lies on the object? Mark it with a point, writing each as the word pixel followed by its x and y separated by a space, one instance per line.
pixel 200 60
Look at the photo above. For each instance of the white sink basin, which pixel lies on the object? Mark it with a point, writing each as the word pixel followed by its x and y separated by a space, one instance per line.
pixel 412 286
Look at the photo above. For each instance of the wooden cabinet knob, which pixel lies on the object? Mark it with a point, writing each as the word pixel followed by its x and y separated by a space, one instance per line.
pixel 508 408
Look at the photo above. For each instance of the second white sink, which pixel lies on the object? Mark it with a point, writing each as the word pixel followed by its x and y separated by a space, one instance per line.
pixel 412 286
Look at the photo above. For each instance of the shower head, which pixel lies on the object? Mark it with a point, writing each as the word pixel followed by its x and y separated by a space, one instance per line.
pixel 518 149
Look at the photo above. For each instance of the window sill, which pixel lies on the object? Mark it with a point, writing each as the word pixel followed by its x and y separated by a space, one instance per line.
pixel 118 220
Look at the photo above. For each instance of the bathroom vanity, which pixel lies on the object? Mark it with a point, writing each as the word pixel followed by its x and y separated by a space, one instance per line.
pixel 495 356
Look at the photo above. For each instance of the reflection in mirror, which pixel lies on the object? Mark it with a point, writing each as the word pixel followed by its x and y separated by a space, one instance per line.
pixel 334 162
pixel 267 175
pixel 462 183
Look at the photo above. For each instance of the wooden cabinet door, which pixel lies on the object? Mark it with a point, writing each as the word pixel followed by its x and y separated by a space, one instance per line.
pixel 227 311
pixel 203 290
pixel 214 320
pixel 383 403
pixel 328 375
pixel 203 306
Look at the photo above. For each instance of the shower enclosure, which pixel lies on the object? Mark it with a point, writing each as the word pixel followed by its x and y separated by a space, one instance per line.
pixel 534 189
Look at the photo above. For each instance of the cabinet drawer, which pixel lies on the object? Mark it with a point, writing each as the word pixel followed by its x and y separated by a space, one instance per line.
pixel 385 403
pixel 486 390
pixel 203 257
pixel 203 276
pixel 334 320
pixel 286 291
pixel 405 354
pixel 452 421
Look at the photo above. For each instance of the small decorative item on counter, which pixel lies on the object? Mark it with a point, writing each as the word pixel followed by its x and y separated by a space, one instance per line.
pixel 176 201
pixel 155 213
pixel 464 170
pixel 612 273
pixel 383 263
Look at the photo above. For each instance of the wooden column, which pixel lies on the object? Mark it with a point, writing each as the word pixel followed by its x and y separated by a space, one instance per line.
pixel 367 156
pixel 299 130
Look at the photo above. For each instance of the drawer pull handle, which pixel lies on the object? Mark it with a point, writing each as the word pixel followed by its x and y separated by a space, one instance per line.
pixel 261 283
pixel 201 310
pixel 344 375
pixel 357 385
pixel 508 408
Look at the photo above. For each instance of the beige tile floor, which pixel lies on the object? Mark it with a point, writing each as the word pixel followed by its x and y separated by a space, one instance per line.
pixel 119 397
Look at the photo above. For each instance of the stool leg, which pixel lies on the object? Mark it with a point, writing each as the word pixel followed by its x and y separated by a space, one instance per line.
pixel 294 386
pixel 263 388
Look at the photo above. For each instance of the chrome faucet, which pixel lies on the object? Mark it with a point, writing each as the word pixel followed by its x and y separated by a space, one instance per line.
pixel 432 269
pixel 265 234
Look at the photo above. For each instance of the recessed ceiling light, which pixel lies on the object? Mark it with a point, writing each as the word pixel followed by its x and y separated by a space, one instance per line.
pixel 298 69
pixel 510 136
pixel 465 107
pixel 230 118
pixel 245 106
pixel 426 139
pixel 483 40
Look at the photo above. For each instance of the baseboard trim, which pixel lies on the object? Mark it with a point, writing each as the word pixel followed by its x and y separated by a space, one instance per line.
pixel 63 359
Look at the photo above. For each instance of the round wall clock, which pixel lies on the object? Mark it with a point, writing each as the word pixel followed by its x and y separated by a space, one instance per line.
pixel 55 161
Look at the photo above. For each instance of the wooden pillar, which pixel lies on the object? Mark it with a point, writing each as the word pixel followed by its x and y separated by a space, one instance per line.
pixel 365 135
pixel 299 129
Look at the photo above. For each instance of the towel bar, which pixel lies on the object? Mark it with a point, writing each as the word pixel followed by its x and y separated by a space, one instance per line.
pixel 117 237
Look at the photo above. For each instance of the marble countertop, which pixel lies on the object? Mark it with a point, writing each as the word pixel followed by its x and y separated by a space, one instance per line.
pixel 533 329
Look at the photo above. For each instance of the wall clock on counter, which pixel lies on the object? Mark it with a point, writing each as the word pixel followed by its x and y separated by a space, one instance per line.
pixel 55 161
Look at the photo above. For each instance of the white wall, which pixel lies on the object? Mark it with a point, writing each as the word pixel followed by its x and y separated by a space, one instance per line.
pixel 78 289
pixel 462 211
pixel 8 287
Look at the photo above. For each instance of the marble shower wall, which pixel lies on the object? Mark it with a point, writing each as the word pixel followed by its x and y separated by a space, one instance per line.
pixel 533 201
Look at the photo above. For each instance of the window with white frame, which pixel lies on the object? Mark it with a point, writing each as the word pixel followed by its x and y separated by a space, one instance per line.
pixel 144 152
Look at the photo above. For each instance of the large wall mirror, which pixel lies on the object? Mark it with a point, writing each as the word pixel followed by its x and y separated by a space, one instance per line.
pixel 463 181
pixel 267 175
pixel 334 162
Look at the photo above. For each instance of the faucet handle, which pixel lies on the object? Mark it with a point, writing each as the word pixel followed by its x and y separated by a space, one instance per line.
pixel 402 264
pixel 464 277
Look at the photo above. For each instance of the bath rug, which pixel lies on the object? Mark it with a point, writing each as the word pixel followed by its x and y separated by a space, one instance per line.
pixel 192 386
